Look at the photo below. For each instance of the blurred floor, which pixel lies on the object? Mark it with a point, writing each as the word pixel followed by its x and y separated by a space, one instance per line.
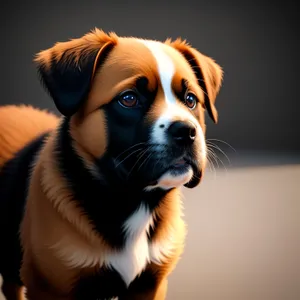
pixel 243 238
pixel 1 295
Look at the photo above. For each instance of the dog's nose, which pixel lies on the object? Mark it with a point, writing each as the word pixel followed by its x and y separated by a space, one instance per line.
pixel 183 133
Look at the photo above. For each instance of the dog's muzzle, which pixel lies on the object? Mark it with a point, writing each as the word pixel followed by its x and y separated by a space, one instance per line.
pixel 178 156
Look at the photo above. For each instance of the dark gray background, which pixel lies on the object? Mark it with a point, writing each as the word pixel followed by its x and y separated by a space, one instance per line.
pixel 255 43
pixel 243 225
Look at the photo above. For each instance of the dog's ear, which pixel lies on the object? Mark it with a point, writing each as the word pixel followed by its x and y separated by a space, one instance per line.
pixel 208 73
pixel 67 69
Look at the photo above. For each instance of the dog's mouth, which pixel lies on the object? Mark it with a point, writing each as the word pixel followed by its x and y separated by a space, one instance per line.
pixel 180 170
pixel 180 166
pixel 180 163
pixel 184 170
pixel 183 165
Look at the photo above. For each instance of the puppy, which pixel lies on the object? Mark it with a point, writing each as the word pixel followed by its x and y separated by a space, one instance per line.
pixel 95 194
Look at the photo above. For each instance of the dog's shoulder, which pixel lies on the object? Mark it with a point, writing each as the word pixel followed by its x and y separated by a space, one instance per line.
pixel 15 173
pixel 14 181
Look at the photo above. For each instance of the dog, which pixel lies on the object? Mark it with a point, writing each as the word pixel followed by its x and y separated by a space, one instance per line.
pixel 90 202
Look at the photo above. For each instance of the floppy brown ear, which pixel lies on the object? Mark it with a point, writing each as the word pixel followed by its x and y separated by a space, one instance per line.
pixel 67 69
pixel 208 72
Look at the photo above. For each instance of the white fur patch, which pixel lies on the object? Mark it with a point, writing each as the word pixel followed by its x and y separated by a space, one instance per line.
pixel 166 69
pixel 134 257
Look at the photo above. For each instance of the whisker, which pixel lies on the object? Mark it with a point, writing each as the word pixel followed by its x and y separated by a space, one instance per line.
pixel 216 140
pixel 220 160
pixel 140 157
pixel 209 163
pixel 215 161
pixel 162 156
pixel 130 154
pixel 219 149
pixel 138 144
pixel 143 152
pixel 213 155
pixel 212 167
pixel 147 158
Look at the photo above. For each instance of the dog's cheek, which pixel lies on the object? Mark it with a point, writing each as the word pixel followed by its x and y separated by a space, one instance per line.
pixel 92 133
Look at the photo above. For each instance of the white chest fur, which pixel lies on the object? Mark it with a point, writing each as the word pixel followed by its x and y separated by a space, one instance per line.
pixel 135 255
pixel 130 261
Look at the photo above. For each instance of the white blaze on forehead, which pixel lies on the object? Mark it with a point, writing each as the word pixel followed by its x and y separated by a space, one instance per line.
pixel 166 68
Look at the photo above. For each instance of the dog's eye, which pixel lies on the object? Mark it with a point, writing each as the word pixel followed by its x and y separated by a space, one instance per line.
pixel 129 99
pixel 191 100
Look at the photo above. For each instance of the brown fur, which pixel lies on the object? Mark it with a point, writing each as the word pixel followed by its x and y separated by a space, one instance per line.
pixel 79 47
pixel 49 204
pixel 19 125
pixel 127 61
pixel 212 73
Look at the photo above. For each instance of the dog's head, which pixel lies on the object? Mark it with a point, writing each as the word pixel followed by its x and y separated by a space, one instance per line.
pixel 135 103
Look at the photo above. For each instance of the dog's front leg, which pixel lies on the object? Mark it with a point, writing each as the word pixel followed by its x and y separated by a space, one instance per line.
pixel 36 293
pixel 37 286
pixel 156 293
pixel 150 285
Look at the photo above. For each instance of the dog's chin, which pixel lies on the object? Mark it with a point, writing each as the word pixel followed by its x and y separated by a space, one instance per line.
pixel 187 175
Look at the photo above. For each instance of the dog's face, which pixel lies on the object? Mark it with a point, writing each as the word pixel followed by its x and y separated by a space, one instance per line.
pixel 134 103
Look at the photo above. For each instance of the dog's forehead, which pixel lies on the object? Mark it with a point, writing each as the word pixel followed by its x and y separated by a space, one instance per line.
pixel 162 58
pixel 131 58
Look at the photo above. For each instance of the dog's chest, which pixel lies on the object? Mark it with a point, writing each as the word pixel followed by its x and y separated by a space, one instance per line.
pixel 129 262
pixel 136 253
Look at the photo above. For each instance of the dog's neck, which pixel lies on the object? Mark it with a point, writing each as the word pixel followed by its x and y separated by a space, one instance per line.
pixel 107 200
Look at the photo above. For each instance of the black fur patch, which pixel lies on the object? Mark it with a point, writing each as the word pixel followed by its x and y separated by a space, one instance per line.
pixel 107 284
pixel 14 179
pixel 104 284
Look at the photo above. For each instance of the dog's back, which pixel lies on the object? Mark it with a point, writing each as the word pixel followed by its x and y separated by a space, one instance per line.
pixel 19 125
pixel 22 132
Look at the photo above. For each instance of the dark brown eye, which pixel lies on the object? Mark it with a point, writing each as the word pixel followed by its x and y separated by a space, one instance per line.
pixel 191 100
pixel 129 99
